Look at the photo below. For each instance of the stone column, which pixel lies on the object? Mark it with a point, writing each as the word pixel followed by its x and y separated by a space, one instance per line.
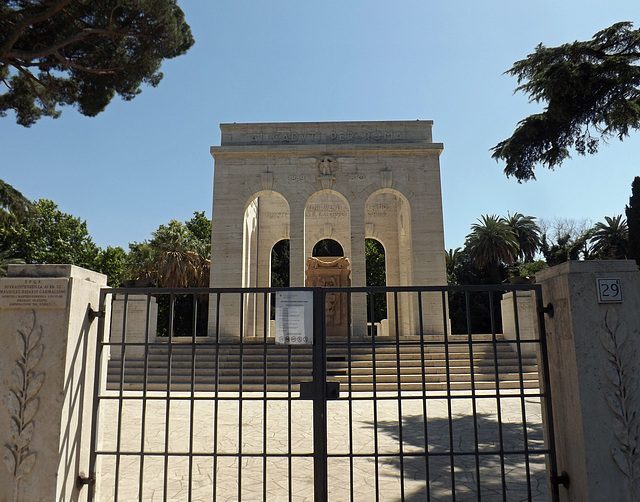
pixel 47 368
pixel 296 244
pixel 593 342
pixel 358 269
pixel 527 327
pixel 226 266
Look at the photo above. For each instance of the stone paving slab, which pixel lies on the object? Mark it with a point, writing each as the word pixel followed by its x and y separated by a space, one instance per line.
pixel 252 461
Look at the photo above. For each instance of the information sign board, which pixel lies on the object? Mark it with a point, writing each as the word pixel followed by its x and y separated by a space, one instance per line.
pixel 33 292
pixel 294 317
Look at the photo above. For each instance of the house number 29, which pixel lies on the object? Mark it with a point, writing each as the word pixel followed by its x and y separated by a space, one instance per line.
pixel 609 290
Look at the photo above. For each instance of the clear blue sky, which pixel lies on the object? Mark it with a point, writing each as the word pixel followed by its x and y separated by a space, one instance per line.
pixel 144 162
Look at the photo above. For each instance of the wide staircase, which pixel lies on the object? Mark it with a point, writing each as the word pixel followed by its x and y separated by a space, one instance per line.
pixel 392 365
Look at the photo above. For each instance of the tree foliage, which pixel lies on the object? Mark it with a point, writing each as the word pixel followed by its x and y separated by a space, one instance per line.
pixel 565 239
pixel 110 262
pixel 175 256
pixel 591 90
pixel 51 236
pixel 376 275
pixel 492 242
pixel 280 264
pixel 13 205
pixel 632 212
pixel 46 235
pixel 6 259
pixel 452 259
pixel 610 239
pixel 527 234
pixel 83 53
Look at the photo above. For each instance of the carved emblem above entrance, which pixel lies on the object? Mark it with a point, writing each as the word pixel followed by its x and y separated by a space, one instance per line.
pixel 326 172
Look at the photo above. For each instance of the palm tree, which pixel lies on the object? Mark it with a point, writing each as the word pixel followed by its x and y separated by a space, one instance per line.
pixel 492 242
pixel 610 240
pixel 173 258
pixel 527 233
pixel 452 260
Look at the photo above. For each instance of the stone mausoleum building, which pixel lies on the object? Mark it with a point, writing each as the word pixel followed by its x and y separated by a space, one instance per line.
pixel 340 181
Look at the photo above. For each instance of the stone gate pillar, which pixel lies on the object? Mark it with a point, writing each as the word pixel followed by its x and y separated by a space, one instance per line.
pixel 593 342
pixel 46 377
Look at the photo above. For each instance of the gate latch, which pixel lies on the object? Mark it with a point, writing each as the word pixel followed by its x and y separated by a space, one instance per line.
pixel 94 314
pixel 547 310
pixel 82 480
pixel 560 479
pixel 332 389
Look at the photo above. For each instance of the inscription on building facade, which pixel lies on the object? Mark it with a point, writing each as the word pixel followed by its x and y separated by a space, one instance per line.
pixel 276 215
pixel 301 137
pixel 377 209
pixel 327 211
pixel 33 293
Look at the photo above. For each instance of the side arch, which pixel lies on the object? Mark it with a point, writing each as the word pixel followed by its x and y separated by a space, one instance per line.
pixel 266 221
pixel 388 220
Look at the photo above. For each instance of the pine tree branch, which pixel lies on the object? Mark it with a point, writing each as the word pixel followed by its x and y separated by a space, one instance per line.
pixel 52 50
pixel 13 38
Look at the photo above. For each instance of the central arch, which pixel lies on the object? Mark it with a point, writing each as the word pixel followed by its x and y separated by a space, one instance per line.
pixel 327 246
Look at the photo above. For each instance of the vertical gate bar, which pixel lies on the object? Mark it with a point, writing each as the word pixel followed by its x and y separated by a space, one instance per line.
pixel 474 410
pixel 447 363
pixel 240 393
pixel 145 372
pixel 216 396
pixel 320 481
pixel 193 389
pixel 376 457
pixel 425 426
pixel 545 396
pixel 523 405
pixel 97 385
pixel 374 401
pixel 350 397
pixel 400 428
pixel 266 320
pixel 120 392
pixel 289 426
pixel 165 487
pixel 494 338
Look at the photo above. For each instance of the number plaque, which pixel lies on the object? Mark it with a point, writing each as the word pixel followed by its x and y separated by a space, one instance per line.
pixel 609 290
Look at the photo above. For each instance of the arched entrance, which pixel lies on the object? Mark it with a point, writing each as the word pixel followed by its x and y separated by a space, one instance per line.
pixel 265 225
pixel 388 221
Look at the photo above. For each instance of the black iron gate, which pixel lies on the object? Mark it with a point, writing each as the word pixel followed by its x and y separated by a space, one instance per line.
pixel 188 408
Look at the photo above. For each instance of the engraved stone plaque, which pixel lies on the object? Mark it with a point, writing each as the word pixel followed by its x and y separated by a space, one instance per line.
pixel 29 293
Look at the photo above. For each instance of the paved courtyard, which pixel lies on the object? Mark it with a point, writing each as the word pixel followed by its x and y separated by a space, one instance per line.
pixel 270 455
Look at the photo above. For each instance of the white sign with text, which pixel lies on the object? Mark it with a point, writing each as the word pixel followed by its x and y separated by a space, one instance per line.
pixel 294 317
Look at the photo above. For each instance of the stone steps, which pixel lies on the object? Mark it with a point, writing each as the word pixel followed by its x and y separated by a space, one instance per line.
pixel 388 366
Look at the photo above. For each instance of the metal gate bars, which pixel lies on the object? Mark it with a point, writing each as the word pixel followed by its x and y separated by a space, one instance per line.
pixel 188 408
